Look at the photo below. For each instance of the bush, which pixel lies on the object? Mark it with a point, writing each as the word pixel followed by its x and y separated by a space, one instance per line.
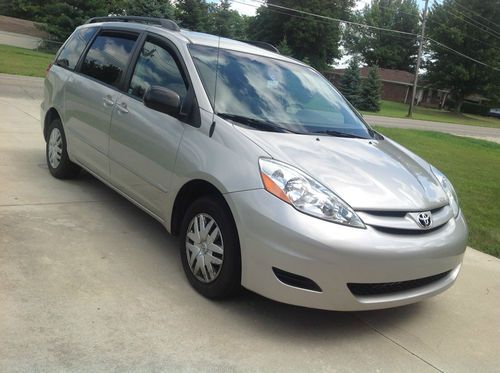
pixel 472 108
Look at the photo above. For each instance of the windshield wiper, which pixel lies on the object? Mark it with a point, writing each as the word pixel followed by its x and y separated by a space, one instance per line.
pixel 339 134
pixel 254 123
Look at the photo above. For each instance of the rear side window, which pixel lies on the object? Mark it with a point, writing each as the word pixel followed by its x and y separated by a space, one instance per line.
pixel 156 66
pixel 70 54
pixel 107 57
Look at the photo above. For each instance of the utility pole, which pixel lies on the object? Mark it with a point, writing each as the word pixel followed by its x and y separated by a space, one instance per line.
pixel 419 57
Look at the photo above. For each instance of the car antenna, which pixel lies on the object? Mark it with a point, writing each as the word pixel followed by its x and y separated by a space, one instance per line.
pixel 212 126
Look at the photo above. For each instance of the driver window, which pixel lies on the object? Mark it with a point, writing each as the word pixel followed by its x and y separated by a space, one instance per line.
pixel 156 66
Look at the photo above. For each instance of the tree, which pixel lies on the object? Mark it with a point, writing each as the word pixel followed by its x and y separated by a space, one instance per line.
pixel 26 9
pixel 369 99
pixel 227 22
pixel 307 36
pixel 382 48
pixel 447 69
pixel 62 17
pixel 349 82
pixel 284 48
pixel 144 8
pixel 193 15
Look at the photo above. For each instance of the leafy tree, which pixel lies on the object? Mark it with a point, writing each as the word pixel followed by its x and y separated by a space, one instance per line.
pixel 306 36
pixel 193 15
pixel 26 9
pixel 349 82
pixel 144 8
pixel 369 99
pixel 447 69
pixel 61 18
pixel 385 49
pixel 227 22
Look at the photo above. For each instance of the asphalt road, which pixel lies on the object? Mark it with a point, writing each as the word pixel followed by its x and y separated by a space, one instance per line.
pixel 483 133
pixel 90 283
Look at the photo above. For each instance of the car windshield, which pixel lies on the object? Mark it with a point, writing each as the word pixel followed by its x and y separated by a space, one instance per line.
pixel 274 95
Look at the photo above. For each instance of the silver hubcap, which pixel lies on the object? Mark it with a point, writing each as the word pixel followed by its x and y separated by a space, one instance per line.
pixel 55 147
pixel 204 248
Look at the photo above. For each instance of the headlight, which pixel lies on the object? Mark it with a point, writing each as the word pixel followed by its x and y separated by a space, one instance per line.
pixel 449 190
pixel 306 194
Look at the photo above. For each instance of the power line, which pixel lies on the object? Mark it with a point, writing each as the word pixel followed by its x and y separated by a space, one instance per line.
pixel 401 36
pixel 463 55
pixel 477 15
pixel 436 23
pixel 468 36
pixel 365 26
pixel 407 36
pixel 494 34
pixel 478 23
pixel 324 17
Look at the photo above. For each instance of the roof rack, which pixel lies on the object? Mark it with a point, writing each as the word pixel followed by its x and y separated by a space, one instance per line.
pixel 165 23
pixel 262 44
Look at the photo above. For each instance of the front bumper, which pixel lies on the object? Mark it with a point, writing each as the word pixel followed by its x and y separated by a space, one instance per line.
pixel 274 234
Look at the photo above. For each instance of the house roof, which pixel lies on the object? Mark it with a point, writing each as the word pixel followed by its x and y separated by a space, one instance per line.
pixel 387 75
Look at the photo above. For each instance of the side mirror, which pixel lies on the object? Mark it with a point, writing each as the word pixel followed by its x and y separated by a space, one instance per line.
pixel 163 100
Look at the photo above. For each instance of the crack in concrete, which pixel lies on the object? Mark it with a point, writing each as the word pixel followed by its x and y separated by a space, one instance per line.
pixel 399 344
pixel 18 108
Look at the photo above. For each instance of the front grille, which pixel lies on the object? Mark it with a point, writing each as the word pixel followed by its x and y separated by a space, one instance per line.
pixel 408 231
pixel 393 287
pixel 397 222
pixel 295 280
pixel 397 213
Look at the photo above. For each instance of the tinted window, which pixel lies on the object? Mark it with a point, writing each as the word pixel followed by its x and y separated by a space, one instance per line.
pixel 107 58
pixel 71 52
pixel 156 66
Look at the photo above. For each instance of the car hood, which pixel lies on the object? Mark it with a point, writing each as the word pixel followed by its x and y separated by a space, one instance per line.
pixel 368 174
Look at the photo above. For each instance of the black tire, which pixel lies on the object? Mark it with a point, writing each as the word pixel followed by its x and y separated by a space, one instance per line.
pixel 228 282
pixel 65 169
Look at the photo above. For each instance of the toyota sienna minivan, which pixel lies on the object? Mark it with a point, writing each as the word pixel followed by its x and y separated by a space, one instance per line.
pixel 270 178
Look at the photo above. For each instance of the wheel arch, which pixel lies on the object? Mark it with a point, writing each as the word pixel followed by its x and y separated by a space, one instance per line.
pixel 50 115
pixel 189 192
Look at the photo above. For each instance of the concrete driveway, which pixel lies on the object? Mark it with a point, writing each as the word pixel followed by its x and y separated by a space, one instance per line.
pixel 90 283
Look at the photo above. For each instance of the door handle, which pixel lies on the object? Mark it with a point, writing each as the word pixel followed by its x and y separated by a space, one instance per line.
pixel 122 108
pixel 108 101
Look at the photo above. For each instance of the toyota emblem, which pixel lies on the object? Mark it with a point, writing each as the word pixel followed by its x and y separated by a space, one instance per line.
pixel 425 219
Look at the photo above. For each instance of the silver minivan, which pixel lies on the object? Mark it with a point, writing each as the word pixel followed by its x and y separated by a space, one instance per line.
pixel 270 178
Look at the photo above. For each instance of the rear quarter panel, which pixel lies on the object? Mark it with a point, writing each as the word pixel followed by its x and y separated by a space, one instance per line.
pixel 53 96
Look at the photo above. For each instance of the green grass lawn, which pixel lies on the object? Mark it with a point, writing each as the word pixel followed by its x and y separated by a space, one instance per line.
pixel 20 61
pixel 399 110
pixel 473 166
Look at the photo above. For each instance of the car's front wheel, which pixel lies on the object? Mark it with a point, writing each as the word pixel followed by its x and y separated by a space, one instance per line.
pixel 210 249
pixel 56 152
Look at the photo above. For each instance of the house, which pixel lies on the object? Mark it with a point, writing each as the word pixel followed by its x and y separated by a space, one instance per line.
pixel 397 86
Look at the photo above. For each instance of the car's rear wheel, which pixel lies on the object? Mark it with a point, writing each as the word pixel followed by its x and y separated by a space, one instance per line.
pixel 56 152
pixel 210 249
